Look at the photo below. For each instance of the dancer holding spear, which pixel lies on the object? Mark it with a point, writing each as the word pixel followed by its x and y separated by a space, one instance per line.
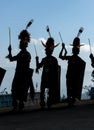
pixel 75 71
pixel 49 78
pixel 91 55
pixel 23 76
pixel 92 60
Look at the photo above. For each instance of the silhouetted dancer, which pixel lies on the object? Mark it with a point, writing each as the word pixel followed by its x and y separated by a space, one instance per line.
pixel 75 72
pixel 23 74
pixel 92 64
pixel 49 78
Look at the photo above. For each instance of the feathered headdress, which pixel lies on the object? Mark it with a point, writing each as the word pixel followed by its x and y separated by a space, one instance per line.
pixel 76 41
pixel 49 44
pixel 24 36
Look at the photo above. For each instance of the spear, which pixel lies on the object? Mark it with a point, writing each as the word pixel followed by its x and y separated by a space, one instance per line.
pixel 9 48
pixel 37 59
pixel 89 45
pixel 35 49
pixel 62 42
pixel 60 37
pixel 9 36
pixel 48 30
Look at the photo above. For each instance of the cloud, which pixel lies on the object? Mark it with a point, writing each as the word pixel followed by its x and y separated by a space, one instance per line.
pixel 42 39
pixel 37 41
pixel 87 48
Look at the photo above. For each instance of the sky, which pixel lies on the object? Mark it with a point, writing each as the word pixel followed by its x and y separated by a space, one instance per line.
pixel 64 16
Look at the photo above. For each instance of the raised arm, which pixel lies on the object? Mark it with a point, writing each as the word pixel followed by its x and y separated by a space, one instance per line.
pixel 9 56
pixel 61 52
pixel 92 60
pixel 38 65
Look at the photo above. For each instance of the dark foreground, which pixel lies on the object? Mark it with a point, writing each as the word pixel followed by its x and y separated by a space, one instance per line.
pixel 80 117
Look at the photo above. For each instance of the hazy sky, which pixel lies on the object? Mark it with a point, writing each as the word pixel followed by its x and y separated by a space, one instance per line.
pixel 64 16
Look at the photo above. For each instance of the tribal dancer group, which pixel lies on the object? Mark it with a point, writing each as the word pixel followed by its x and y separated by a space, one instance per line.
pixel 50 78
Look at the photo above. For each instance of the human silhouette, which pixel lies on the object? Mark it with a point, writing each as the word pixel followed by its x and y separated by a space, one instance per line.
pixel 92 64
pixel 75 72
pixel 49 78
pixel 23 74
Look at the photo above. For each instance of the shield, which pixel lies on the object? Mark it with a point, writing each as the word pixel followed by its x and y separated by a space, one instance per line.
pixel 80 79
pixel 75 76
pixel 51 81
pixel 54 92
pixel 2 73
pixel 58 86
